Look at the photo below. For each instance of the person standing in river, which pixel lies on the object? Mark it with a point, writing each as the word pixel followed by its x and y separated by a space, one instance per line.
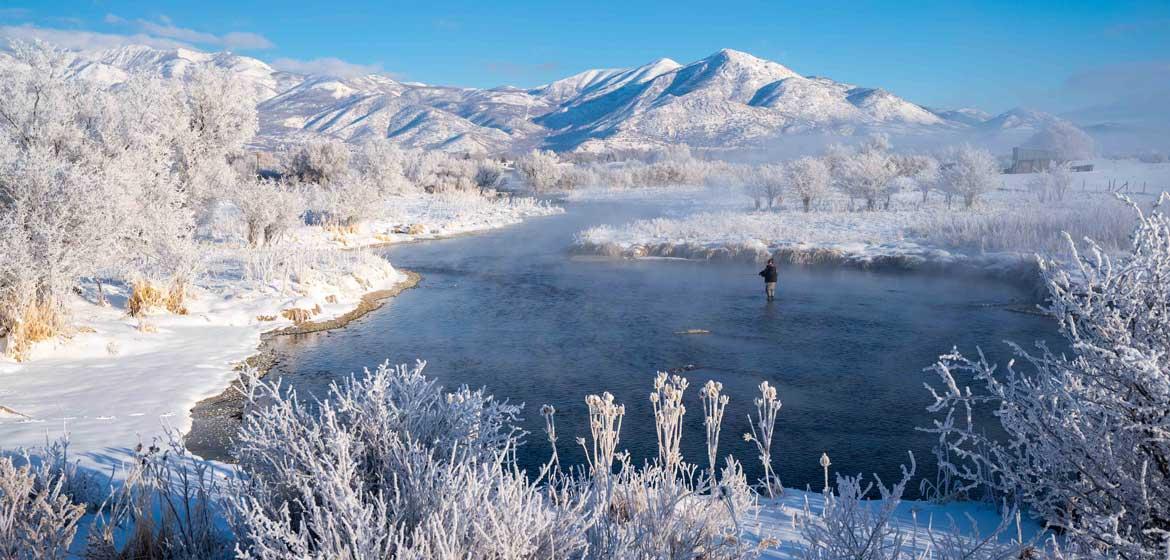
pixel 771 276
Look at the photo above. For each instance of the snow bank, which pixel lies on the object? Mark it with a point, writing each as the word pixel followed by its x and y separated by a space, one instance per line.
pixel 999 237
pixel 117 381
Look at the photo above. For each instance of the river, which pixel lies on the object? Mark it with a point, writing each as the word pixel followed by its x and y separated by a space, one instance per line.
pixel 512 311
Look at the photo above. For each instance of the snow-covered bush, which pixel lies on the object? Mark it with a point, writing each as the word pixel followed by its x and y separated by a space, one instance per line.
pixel 344 204
pixel 380 163
pixel 968 172
pixel 165 508
pixel 391 465
pixel 540 169
pixel 866 174
pixel 1052 182
pixel 268 208
pixel 439 172
pixel 488 174
pixel 1087 442
pixel 38 520
pixel 852 525
pixel 809 178
pixel 321 162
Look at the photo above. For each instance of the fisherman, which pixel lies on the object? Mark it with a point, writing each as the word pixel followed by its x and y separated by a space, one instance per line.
pixel 771 276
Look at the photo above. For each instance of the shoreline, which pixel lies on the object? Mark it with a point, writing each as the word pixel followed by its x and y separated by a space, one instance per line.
pixel 217 415
pixel 1014 268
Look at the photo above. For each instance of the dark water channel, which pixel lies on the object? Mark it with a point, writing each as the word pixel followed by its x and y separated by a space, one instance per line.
pixel 513 311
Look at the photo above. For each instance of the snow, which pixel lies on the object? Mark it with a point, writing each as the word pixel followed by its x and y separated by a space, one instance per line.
pixel 781 519
pixel 113 384
pixel 910 232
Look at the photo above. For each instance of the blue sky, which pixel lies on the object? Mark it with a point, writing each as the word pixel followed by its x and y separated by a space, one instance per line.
pixel 993 55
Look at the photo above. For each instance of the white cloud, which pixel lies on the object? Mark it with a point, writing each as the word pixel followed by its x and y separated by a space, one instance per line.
pixel 85 40
pixel 243 40
pixel 327 66
pixel 113 19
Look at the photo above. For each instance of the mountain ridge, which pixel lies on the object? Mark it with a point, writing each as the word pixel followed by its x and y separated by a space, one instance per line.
pixel 730 99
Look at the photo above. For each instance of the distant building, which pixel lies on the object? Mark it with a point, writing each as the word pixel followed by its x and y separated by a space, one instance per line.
pixel 1081 167
pixel 1029 160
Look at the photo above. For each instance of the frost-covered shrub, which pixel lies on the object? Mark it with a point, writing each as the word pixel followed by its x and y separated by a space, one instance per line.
pixel 391 465
pixel 1087 443
pixel 322 162
pixel 439 172
pixel 381 164
pixel 357 474
pixel 268 208
pixel 968 172
pixel 1051 183
pixel 488 175
pixel 541 170
pixel 165 508
pixel 38 520
pixel 344 204
pixel 852 525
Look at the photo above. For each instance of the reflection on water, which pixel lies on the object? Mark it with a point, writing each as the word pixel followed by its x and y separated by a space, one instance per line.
pixel 510 310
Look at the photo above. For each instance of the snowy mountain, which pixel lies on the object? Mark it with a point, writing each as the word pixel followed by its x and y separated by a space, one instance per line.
pixel 727 100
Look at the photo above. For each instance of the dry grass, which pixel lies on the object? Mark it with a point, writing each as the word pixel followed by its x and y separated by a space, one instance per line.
pixel 145 297
pixel 36 323
pixel 265 318
pixel 298 315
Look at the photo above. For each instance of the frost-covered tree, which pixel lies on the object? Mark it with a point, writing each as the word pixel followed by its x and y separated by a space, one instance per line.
pixel 541 169
pixel 220 115
pixel 437 172
pixel 765 184
pixel 268 208
pixel 968 172
pixel 383 165
pixel 1087 434
pixel 321 162
pixel 488 175
pixel 809 178
pixel 58 211
pixel 866 175
pixel 343 205
pixel 922 170
pixel 1065 140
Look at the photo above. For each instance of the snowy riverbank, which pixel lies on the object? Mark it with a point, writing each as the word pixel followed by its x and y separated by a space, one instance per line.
pixel 116 381
pixel 999 237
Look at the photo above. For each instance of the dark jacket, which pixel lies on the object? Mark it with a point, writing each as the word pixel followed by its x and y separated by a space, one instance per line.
pixel 770 274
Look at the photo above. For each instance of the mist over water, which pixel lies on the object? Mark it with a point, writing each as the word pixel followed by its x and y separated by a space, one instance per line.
pixel 512 311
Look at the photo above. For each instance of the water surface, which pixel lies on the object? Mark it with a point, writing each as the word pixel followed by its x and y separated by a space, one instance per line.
pixel 512 311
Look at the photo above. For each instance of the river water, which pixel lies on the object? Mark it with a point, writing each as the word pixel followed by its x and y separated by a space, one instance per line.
pixel 511 310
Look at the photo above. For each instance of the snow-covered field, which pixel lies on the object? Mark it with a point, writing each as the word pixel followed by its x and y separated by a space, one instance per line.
pixel 1007 226
pixel 117 381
